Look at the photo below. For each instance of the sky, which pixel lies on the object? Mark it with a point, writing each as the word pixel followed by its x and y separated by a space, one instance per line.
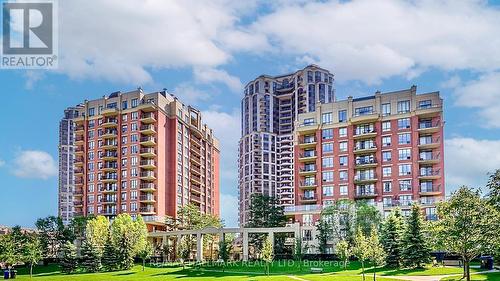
pixel 205 51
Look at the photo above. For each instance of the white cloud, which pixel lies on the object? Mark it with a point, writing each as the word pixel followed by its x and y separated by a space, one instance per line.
pixel 2 163
pixel 32 77
pixel 211 75
pixel 483 94
pixel 229 207
pixel 34 164
pixel 371 40
pixel 189 94
pixel 468 161
pixel 119 40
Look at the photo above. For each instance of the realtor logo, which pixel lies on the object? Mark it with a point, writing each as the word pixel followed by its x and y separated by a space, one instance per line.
pixel 28 33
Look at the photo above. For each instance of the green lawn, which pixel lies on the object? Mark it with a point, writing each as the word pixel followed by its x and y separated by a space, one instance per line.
pixel 52 273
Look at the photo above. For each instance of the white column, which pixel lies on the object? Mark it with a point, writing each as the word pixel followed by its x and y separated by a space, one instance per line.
pixel 245 246
pixel 199 247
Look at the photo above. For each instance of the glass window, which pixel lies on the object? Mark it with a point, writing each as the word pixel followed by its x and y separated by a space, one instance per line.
pixel 405 185
pixel 327 147
pixel 386 126
pixel 404 106
pixel 327 176
pixel 326 118
pixel 342 115
pixel 386 156
pixel 404 123
pixel 343 175
pixel 328 190
pixel 327 162
pixel 363 110
pixel 387 186
pixel 327 134
pixel 405 154
pixel 386 141
pixel 343 190
pixel 134 102
pixel 425 104
pixel 343 146
pixel 386 109
pixel 343 160
pixel 404 169
pixel 386 171
pixel 404 138
pixel 124 104
pixel 91 111
pixel 343 132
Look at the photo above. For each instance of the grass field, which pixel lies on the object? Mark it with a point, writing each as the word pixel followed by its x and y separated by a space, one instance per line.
pixel 477 277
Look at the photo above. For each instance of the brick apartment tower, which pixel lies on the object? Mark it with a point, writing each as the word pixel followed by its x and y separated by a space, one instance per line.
pixel 270 107
pixel 386 149
pixel 145 154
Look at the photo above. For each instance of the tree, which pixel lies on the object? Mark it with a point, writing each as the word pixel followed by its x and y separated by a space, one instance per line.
pixel 109 257
pixel 469 225
pixel 376 252
pixel 298 253
pixel 11 246
pixel 97 231
pixel 367 217
pixel 265 211
pixel 53 234
pixel 415 249
pixel 68 258
pixel 90 257
pixel 145 252
pixel 361 249
pixel 267 253
pixel 32 252
pixel 124 239
pixel 324 233
pixel 493 187
pixel 184 249
pixel 224 252
pixel 343 251
pixel 392 229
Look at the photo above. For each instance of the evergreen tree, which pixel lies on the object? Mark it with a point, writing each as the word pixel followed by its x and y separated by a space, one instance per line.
pixel 416 251
pixel 91 257
pixel 493 187
pixel 324 233
pixel 68 258
pixel 109 258
pixel 391 238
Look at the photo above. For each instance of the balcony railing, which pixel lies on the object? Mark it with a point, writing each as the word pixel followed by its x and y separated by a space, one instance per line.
pixel 360 162
pixel 147 210
pixel 307 197
pixel 428 140
pixel 429 173
pixel 360 132
pixel 430 188
pixel 147 163
pixel 147 128
pixel 148 197
pixel 363 177
pixel 307 183
pixel 427 125
pixel 147 186
pixel 366 146
pixel 110 177
pixel 429 156
pixel 307 155
pixel 147 150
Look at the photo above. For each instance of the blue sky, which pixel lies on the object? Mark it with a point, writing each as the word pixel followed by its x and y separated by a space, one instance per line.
pixel 205 55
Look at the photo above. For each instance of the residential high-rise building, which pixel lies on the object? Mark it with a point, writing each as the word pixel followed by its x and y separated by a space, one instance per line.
pixel 145 154
pixel 66 159
pixel 270 107
pixel 386 149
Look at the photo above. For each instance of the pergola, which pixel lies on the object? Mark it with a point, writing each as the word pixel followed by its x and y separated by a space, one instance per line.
pixel 165 235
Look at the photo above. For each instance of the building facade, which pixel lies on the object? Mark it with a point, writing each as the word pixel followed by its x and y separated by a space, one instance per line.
pixel 269 108
pixel 386 149
pixel 66 168
pixel 145 154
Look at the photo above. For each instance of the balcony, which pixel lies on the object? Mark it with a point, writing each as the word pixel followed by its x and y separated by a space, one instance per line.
pixel 109 155
pixel 429 127
pixel 109 144
pixel 79 140
pixel 405 204
pixel 148 152
pixel 364 179
pixel 147 175
pixel 109 178
pixel 195 198
pixel 147 187
pixel 148 118
pixel 307 157
pixel 78 172
pixel 79 182
pixel 431 217
pixel 196 151
pixel 365 118
pixel 429 110
pixel 110 123
pixel 195 160
pixel 429 158
pixel 80 129
pixel 429 174
pixel 195 189
pixel 79 161
pixel 108 201
pixel 362 164
pixel 308 185
pixel 429 142
pixel 108 134
pixel 364 194
pixel 195 170
pixel 78 204
pixel 147 107
pixel 147 210
pixel 148 141
pixel 109 112
pixel 293 210
pixel 148 129
pixel 147 164
pixel 307 171
pixel 363 134
pixel 307 142
pixel 79 150
pixel 360 149
pixel 194 141
pixel 195 179
pixel 307 199
pixel 109 189
pixel 426 190
pixel 307 128
pixel 109 166
pixel 147 198
pixel 108 212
